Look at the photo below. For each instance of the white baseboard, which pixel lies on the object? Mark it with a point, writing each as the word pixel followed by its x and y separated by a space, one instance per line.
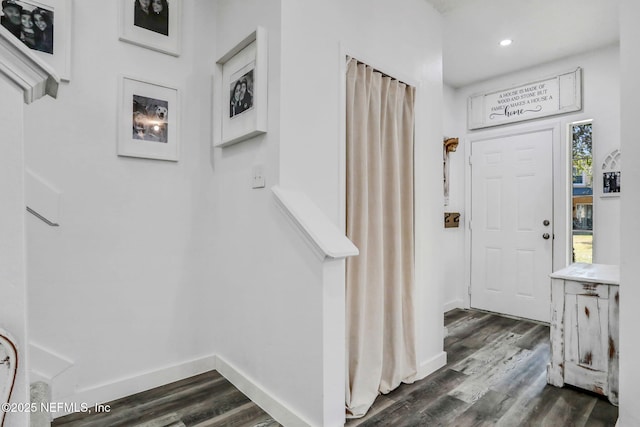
pixel 428 367
pixel 46 363
pixel 135 384
pixel 279 411
pixel 53 369
pixel 456 303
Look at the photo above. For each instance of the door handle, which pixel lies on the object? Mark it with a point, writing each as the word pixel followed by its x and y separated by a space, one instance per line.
pixel 546 236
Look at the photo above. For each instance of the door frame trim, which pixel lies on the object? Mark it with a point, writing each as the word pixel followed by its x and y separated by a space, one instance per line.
pixel 560 186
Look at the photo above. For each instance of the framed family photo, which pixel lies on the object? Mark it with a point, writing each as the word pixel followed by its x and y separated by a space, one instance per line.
pixel 148 120
pixel 154 24
pixel 44 26
pixel 240 91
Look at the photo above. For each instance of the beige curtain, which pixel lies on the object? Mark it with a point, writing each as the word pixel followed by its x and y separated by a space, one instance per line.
pixel 380 281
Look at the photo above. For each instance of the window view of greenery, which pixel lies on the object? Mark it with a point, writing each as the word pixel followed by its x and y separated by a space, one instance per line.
pixel 582 195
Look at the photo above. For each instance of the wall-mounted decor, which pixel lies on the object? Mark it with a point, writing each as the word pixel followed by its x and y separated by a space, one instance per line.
pixel 154 24
pixel 8 370
pixel 149 119
pixel 555 95
pixel 240 91
pixel 610 184
pixel 45 27
pixel 611 168
pixel 451 219
pixel 449 146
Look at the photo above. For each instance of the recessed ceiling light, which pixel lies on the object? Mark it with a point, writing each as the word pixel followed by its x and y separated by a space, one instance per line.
pixel 506 42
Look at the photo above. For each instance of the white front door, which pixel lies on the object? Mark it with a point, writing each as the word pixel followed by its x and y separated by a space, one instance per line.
pixel 511 224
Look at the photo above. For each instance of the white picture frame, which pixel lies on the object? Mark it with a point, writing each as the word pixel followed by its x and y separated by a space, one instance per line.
pixel 245 63
pixel 158 32
pixel 148 120
pixel 55 52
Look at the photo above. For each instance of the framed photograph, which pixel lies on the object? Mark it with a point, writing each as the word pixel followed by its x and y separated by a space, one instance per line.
pixel 154 24
pixel 611 184
pixel 45 27
pixel 240 91
pixel 148 120
pixel 611 175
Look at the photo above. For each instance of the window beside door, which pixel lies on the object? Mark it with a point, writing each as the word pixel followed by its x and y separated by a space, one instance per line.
pixel 582 190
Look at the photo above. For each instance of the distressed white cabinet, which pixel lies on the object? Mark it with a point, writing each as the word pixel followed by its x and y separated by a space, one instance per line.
pixel 584 328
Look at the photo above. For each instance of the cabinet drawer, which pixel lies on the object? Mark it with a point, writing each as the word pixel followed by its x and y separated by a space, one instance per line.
pixel 591 289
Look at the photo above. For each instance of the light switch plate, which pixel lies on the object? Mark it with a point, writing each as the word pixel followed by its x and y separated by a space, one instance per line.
pixel 257 177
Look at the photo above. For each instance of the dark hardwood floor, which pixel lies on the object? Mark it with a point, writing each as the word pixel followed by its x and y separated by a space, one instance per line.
pixel 495 376
pixel 206 400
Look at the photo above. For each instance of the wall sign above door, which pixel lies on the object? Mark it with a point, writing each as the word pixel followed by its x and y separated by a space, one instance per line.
pixel 555 95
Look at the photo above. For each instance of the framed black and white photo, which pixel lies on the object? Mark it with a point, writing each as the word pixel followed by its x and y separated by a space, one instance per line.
pixel 154 24
pixel 611 183
pixel 240 91
pixel 148 120
pixel 44 26
pixel 611 175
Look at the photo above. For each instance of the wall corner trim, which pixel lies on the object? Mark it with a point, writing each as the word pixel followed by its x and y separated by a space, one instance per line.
pixel 317 229
pixel 431 365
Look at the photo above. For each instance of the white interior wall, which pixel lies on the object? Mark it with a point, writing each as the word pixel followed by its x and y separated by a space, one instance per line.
pixel 601 96
pixel 630 268
pixel 123 288
pixel 12 250
pixel 149 251
pixel 198 219
pixel 453 242
pixel 269 282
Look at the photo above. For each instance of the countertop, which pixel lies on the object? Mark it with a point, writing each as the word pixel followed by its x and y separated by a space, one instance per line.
pixel 592 273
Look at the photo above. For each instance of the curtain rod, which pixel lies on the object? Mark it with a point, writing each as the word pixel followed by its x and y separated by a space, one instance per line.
pixel 349 58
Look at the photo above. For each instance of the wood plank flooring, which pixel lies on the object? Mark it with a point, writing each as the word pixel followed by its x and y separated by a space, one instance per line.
pixel 495 376
pixel 206 400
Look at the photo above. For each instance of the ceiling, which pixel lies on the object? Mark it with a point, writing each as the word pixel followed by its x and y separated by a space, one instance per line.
pixel 541 30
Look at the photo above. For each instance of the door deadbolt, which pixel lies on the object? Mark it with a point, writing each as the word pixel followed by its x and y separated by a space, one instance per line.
pixel 546 236
pixel 546 222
